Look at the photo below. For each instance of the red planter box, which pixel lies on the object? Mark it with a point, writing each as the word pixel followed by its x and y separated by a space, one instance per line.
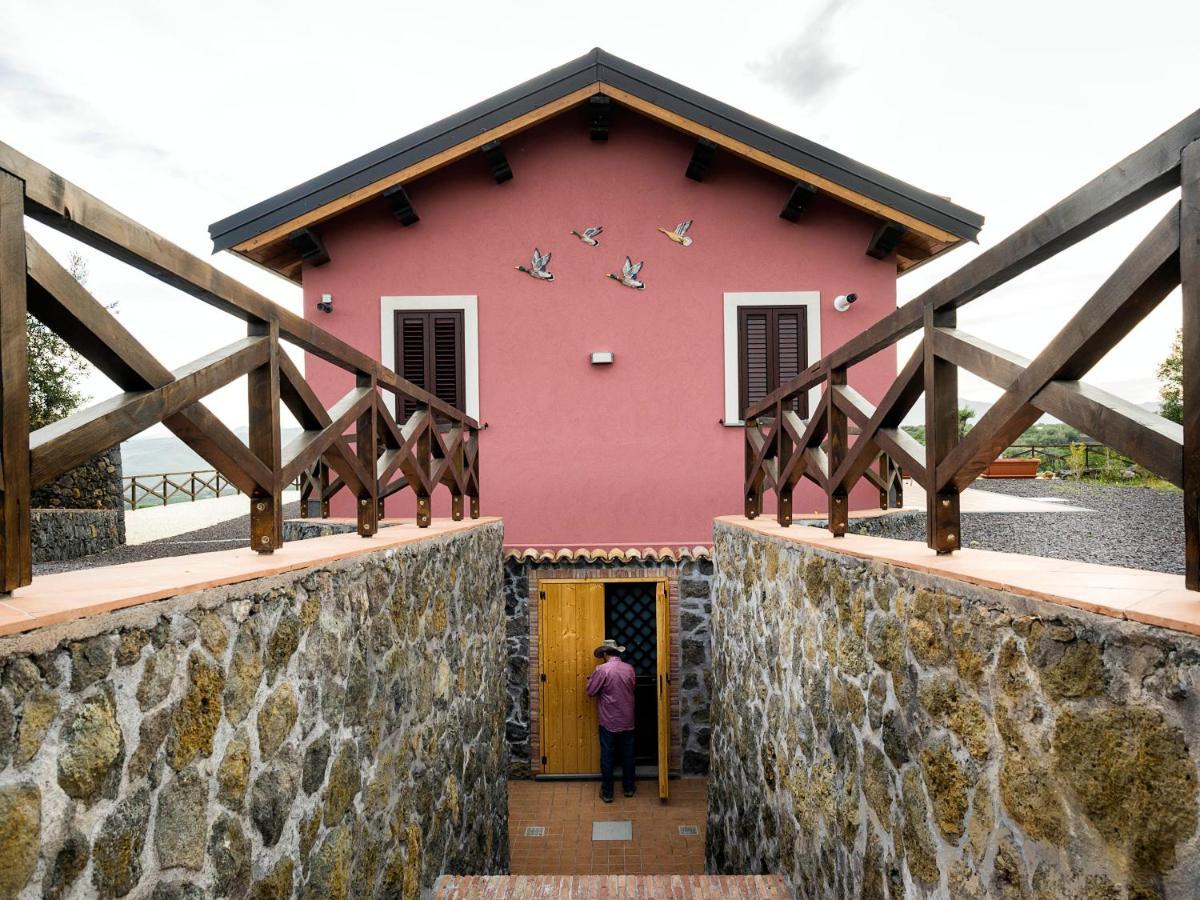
pixel 1013 468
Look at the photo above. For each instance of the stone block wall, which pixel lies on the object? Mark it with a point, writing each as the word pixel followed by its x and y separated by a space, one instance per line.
pixel 882 733
pixel 80 513
pixel 94 485
pixel 333 732
pixel 691 579
pixel 59 534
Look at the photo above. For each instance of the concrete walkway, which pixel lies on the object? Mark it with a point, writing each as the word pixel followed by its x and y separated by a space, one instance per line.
pixel 981 500
pixel 154 523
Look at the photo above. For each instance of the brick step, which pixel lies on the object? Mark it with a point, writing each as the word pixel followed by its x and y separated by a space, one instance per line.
pixel 594 887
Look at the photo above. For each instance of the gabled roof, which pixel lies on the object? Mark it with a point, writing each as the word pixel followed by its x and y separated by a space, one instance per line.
pixel 260 232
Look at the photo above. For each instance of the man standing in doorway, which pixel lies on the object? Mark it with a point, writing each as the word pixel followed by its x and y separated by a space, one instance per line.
pixel 612 684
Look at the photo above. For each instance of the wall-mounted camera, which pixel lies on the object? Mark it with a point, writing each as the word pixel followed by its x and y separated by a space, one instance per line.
pixel 842 301
pixel 325 304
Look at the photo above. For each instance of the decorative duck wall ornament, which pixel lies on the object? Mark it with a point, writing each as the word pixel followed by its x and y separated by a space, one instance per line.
pixel 679 235
pixel 537 268
pixel 629 275
pixel 588 236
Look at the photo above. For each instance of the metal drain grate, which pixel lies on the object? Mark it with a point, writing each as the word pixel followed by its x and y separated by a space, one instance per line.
pixel 535 831
pixel 689 830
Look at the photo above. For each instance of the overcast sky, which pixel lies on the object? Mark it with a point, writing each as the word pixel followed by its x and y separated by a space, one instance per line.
pixel 179 114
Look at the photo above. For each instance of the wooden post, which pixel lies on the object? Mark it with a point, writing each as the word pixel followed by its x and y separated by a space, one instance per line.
pixel 424 453
pixel 885 478
pixel 839 441
pixel 366 433
pixel 473 479
pixel 1189 266
pixel 266 506
pixel 754 474
pixel 941 436
pixel 786 484
pixel 16 556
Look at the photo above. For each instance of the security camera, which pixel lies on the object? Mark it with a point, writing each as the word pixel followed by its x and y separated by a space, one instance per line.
pixel 325 304
pixel 842 301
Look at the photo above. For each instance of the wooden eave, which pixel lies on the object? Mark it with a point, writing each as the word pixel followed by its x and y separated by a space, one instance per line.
pixel 261 233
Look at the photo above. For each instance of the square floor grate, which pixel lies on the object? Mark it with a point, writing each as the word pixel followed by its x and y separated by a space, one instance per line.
pixel 535 831
pixel 612 831
pixel 689 830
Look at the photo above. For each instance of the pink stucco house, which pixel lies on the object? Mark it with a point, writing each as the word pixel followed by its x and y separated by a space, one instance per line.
pixel 611 411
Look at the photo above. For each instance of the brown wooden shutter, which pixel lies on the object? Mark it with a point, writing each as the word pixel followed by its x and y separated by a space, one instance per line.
pixel 447 358
pixel 429 353
pixel 772 350
pixel 754 328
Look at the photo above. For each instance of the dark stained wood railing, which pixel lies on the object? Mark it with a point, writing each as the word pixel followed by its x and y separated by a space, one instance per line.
pixel 371 453
pixel 781 448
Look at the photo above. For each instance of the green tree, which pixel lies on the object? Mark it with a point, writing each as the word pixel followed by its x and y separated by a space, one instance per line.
pixel 1170 377
pixel 55 369
pixel 965 415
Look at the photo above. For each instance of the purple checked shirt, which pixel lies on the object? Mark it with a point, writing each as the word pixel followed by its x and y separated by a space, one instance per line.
pixel 613 683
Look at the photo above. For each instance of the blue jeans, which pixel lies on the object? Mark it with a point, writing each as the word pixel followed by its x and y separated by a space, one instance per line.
pixel 612 742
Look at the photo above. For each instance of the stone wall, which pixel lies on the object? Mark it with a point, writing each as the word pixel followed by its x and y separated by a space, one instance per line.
pixel 333 732
pixel 94 485
pixel 878 732
pixel 80 513
pixel 693 580
pixel 58 534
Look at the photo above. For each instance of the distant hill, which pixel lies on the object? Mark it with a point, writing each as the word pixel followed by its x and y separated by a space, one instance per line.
pixel 155 455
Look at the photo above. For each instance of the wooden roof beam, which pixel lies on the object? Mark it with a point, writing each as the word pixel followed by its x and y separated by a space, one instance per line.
pixel 885 239
pixel 497 162
pixel 599 117
pixel 701 159
pixel 798 201
pixel 310 246
pixel 401 206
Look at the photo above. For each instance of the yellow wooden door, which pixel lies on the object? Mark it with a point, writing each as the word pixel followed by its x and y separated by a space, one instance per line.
pixel 663 619
pixel 570 628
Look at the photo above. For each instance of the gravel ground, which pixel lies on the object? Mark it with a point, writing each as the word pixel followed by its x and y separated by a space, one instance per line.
pixel 1141 528
pixel 1130 526
pixel 226 535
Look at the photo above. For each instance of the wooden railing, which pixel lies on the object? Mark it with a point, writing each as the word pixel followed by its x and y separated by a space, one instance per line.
pixel 160 489
pixel 781 448
pixel 438 445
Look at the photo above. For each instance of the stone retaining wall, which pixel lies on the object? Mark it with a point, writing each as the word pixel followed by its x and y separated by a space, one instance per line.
pixel 58 534
pixel 94 485
pixel 333 732
pixel 80 513
pixel 878 732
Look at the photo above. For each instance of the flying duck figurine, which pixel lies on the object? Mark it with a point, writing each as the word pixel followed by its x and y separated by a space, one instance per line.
pixel 679 235
pixel 588 236
pixel 537 268
pixel 629 274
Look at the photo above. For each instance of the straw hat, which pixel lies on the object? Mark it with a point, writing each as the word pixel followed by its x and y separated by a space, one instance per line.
pixel 606 646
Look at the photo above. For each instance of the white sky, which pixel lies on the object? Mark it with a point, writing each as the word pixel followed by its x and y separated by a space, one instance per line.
pixel 180 114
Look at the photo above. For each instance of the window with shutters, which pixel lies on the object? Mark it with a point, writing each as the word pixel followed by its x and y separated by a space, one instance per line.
pixel 772 350
pixel 429 353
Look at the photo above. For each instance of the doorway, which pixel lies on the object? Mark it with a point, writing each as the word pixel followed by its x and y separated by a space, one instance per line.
pixel 574 617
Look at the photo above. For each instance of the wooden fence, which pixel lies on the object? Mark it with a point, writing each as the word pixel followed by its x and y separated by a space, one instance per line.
pixel 781 448
pixel 437 445
pixel 160 489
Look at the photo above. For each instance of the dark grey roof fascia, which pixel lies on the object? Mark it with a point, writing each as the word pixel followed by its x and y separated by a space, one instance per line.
pixel 587 69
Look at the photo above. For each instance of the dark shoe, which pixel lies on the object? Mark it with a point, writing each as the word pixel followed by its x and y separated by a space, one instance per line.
pixel 630 793
pixel 606 799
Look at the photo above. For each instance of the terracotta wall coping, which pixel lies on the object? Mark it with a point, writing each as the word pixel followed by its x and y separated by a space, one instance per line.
pixel 1154 598
pixel 52 599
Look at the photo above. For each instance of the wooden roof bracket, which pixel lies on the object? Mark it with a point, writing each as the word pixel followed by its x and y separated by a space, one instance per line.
pixel 310 246
pixel 497 162
pixel 797 201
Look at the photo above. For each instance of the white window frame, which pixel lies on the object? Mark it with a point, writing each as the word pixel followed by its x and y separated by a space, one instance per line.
pixel 811 300
pixel 468 304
